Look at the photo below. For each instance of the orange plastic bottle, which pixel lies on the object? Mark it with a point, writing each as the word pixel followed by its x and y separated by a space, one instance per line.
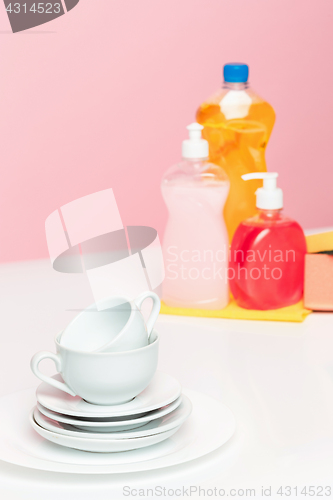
pixel 237 124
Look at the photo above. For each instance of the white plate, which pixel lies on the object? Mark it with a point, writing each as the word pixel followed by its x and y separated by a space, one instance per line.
pixel 104 425
pixel 210 425
pixel 100 445
pixel 163 424
pixel 162 391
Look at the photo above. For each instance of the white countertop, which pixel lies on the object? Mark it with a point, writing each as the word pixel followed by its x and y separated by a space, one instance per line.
pixel 276 377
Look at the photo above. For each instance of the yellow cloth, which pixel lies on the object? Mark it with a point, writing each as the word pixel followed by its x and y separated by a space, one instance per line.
pixel 295 312
pixel 320 242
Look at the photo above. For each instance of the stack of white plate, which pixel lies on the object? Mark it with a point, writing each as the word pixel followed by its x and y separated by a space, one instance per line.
pixel 151 417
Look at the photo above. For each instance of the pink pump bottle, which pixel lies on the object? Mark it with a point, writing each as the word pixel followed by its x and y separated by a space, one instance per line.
pixel 267 253
pixel 195 243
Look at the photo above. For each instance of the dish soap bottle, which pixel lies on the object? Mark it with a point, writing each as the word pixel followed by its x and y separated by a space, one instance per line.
pixel 195 244
pixel 267 253
pixel 237 125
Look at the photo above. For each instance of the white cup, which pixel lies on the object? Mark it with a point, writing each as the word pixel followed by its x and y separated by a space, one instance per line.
pixel 112 325
pixel 111 378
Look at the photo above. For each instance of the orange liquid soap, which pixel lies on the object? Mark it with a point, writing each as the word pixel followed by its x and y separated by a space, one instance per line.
pixel 237 125
pixel 267 257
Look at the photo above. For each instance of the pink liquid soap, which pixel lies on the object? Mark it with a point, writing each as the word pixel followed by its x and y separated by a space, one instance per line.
pixel 195 244
pixel 267 254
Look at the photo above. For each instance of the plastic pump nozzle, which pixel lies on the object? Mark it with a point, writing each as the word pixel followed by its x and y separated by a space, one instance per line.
pixel 195 147
pixel 269 197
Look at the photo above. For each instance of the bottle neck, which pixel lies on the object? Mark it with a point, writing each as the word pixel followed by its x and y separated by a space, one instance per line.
pixel 195 161
pixel 270 215
pixel 235 85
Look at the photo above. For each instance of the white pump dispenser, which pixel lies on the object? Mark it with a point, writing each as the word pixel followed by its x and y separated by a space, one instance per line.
pixel 269 197
pixel 195 147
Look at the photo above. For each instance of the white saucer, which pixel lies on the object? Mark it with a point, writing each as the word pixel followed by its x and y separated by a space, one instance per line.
pixel 161 425
pixel 77 424
pixel 104 425
pixel 100 445
pixel 162 391
pixel 210 425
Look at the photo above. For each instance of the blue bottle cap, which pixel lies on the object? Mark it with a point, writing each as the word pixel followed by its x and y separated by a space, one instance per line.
pixel 236 72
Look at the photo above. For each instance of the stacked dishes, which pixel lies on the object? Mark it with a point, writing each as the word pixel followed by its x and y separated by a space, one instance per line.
pixel 107 396
pixel 150 418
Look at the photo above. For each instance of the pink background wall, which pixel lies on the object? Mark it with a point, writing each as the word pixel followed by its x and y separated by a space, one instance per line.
pixel 100 97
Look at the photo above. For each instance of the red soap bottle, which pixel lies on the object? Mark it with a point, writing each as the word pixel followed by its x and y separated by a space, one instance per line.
pixel 267 253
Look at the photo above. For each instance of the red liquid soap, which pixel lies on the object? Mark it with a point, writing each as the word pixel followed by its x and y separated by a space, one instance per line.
pixel 267 253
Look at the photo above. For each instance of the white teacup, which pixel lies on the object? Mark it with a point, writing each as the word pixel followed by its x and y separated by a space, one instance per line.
pixel 112 325
pixel 101 378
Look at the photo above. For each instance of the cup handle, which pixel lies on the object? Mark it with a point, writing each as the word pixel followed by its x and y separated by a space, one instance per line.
pixel 155 311
pixel 37 358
